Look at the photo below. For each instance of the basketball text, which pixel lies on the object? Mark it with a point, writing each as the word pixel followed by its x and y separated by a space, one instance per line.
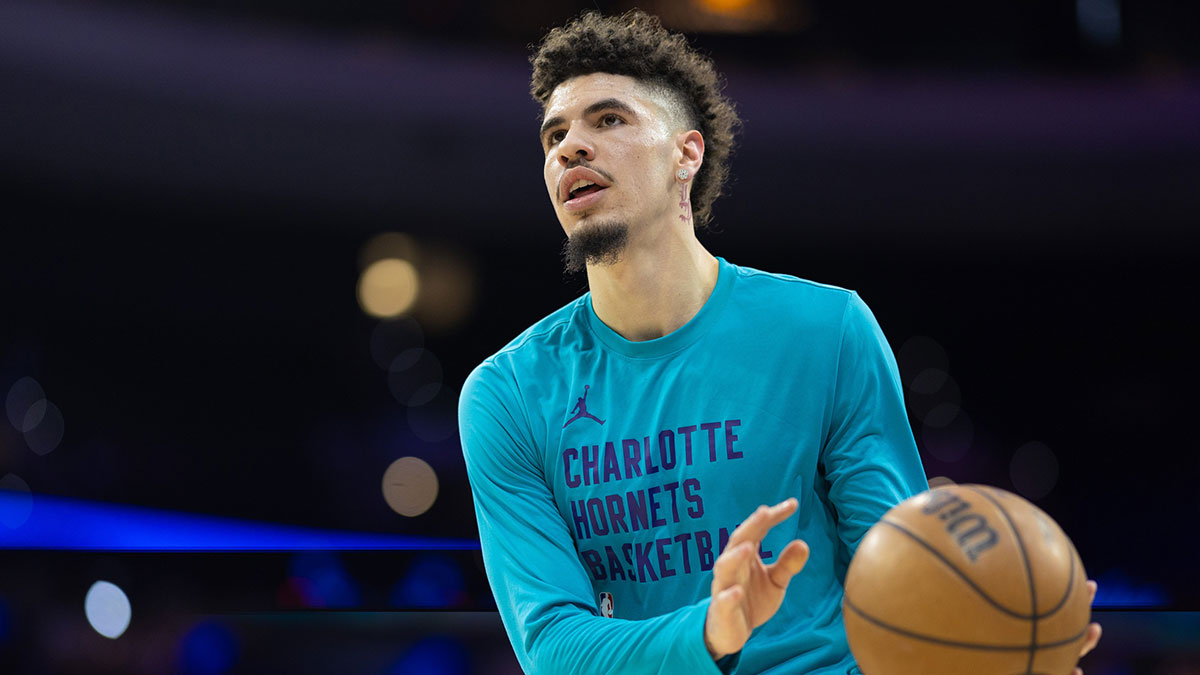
pixel 971 530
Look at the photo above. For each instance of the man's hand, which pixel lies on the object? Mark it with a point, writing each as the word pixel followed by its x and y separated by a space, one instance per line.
pixel 1093 631
pixel 745 592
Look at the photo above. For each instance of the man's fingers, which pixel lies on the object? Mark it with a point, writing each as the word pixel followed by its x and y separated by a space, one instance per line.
pixel 728 604
pixel 1093 630
pixel 1093 637
pixel 755 527
pixel 731 567
pixel 731 627
pixel 789 563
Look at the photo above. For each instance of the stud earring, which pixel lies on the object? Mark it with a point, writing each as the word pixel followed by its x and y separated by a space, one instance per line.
pixel 682 174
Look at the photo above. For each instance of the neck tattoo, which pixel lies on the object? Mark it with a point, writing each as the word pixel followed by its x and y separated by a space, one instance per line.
pixel 685 204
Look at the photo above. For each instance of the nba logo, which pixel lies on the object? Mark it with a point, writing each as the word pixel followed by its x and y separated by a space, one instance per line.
pixel 606 605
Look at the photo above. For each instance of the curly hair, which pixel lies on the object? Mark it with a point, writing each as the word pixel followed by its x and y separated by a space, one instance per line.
pixel 637 45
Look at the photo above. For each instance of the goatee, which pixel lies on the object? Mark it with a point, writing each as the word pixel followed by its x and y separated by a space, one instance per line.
pixel 599 244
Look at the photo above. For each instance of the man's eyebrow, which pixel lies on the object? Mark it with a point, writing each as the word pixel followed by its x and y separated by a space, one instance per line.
pixel 603 104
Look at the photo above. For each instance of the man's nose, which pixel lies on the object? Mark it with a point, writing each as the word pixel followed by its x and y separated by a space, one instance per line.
pixel 575 145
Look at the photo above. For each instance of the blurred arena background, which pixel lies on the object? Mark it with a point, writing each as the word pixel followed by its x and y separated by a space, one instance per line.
pixel 250 250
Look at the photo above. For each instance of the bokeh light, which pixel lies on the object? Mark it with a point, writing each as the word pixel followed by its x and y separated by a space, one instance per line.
pixel 447 291
pixel 209 648
pixel 21 396
pixel 433 655
pixel 410 486
pixel 393 337
pixel 432 581
pixel 931 388
pixel 919 353
pixel 388 288
pixel 107 609
pixel 1034 470
pixel 329 584
pixel 415 377
pixel 298 593
pixel 949 443
pixel 941 415
pixel 43 427
pixel 929 381
pixel 17 503
pixel 725 5
pixel 1099 21
pixel 436 421
pixel 388 245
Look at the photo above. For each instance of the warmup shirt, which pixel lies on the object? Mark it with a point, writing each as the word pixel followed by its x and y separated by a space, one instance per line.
pixel 607 474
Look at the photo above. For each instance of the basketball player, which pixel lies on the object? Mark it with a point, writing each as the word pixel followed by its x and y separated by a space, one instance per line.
pixel 614 447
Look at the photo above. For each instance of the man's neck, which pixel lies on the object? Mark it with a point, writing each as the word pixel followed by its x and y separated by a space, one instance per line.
pixel 656 287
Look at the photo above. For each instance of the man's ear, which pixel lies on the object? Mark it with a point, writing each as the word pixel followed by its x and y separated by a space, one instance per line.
pixel 690 155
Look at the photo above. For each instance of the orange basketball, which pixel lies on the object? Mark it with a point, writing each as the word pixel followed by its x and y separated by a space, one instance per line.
pixel 966 580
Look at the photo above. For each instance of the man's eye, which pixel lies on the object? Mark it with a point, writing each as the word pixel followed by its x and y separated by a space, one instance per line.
pixel 555 137
pixel 610 119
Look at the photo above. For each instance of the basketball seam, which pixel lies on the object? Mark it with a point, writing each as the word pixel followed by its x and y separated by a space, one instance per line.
pixel 1070 584
pixel 956 570
pixel 995 603
pixel 1028 575
pixel 956 643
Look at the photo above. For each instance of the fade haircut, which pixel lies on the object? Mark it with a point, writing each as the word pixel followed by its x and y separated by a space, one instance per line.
pixel 635 44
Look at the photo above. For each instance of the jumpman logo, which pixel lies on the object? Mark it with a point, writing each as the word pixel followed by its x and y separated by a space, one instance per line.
pixel 581 406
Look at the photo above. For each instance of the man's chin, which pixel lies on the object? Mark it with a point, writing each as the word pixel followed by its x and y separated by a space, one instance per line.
pixel 594 242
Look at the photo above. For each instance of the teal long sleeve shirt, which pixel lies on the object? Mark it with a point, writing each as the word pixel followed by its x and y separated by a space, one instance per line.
pixel 607 474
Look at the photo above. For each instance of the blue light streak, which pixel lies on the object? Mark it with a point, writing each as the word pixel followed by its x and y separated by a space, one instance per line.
pixel 61 523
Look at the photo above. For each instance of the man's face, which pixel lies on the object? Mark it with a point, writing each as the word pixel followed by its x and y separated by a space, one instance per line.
pixel 611 131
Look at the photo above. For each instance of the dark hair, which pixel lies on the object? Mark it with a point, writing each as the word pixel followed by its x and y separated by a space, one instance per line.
pixel 636 44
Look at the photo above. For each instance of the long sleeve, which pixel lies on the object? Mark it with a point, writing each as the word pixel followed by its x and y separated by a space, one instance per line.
pixel 543 593
pixel 870 459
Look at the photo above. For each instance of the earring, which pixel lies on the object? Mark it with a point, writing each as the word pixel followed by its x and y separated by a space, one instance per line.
pixel 682 174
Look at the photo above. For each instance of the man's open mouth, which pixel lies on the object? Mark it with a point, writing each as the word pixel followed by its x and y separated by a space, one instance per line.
pixel 583 187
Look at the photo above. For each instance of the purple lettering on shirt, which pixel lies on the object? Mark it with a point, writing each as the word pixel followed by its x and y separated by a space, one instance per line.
pixel 704 550
pixel 644 568
pixel 637 510
pixel 683 540
pixel 616 513
pixel 615 568
pixel 723 539
pixel 612 463
pixel 650 468
pixel 654 519
pixel 687 443
pixel 764 553
pixel 579 517
pixel 595 509
pixel 572 478
pixel 711 428
pixel 664 558
pixel 730 437
pixel 666 448
pixel 672 487
pixel 633 453
pixel 691 492
pixel 591 464
pixel 592 558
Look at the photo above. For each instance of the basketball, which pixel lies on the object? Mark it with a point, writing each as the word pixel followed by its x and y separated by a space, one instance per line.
pixel 966 580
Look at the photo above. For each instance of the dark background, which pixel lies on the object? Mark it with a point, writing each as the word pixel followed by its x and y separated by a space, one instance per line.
pixel 189 191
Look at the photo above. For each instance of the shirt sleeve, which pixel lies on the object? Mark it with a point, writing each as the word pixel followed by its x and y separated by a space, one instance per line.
pixel 870 459
pixel 542 590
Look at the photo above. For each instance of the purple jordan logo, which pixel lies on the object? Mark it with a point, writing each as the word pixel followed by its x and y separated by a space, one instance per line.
pixel 581 406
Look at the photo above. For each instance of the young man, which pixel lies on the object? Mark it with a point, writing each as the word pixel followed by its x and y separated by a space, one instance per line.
pixel 614 447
